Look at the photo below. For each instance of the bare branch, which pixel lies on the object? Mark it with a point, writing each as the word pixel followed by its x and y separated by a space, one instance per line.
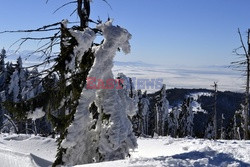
pixel 242 43
pixel 73 12
pixel 41 29
pixel 42 38
pixel 107 4
pixel 66 4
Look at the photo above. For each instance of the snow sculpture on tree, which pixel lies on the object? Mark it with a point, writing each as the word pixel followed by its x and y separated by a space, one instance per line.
pixel 110 136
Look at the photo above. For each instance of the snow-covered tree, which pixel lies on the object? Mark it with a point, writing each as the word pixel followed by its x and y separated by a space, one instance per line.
pixel 128 85
pixel 237 134
pixel 144 110
pixel 173 122
pixel 209 131
pixel 18 81
pixel 23 86
pixel 2 84
pixel 238 124
pixel 2 70
pixel 161 111
pixel 10 68
pixel 2 57
pixel 190 117
pixel 186 117
pixel 33 85
pixel 112 136
pixel 140 120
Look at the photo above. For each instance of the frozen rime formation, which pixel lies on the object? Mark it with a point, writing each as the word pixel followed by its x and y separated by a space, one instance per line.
pixel 110 139
pixel 34 115
pixel 85 40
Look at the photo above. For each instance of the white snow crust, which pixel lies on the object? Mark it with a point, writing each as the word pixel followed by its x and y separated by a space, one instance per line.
pixel 34 115
pixel 29 150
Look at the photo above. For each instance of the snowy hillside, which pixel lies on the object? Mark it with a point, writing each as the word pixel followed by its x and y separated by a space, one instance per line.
pixel 25 151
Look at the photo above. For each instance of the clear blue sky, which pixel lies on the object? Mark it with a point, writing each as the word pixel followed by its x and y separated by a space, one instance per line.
pixel 167 32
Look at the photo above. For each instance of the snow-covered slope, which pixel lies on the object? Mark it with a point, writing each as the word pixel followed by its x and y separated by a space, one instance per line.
pixel 25 151
pixel 167 152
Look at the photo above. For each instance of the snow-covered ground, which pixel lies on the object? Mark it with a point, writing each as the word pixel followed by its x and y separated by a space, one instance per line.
pixel 25 151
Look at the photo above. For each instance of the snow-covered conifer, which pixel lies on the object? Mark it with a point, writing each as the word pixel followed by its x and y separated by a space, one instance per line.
pixel 2 70
pixel 2 62
pixel 173 121
pixel 143 107
pixel 190 117
pixel 238 124
pixel 33 85
pixel 161 108
pixel 2 84
pixel 186 118
pixel 112 136
pixel 209 131
pixel 17 81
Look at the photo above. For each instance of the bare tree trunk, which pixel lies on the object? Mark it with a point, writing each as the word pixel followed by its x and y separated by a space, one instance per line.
pixel 246 108
pixel 215 111
pixel 83 9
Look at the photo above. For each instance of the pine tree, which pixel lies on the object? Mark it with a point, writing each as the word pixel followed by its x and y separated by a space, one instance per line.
pixel 238 123
pixel 16 92
pixel 33 85
pixel 190 118
pixel 186 118
pixel 209 131
pixel 161 111
pixel 137 119
pixel 140 120
pixel 173 122
pixel 143 106
pixel 18 82
pixel 111 136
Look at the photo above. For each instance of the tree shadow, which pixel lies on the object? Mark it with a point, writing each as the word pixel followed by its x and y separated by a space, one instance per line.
pixel 40 161
pixel 206 158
